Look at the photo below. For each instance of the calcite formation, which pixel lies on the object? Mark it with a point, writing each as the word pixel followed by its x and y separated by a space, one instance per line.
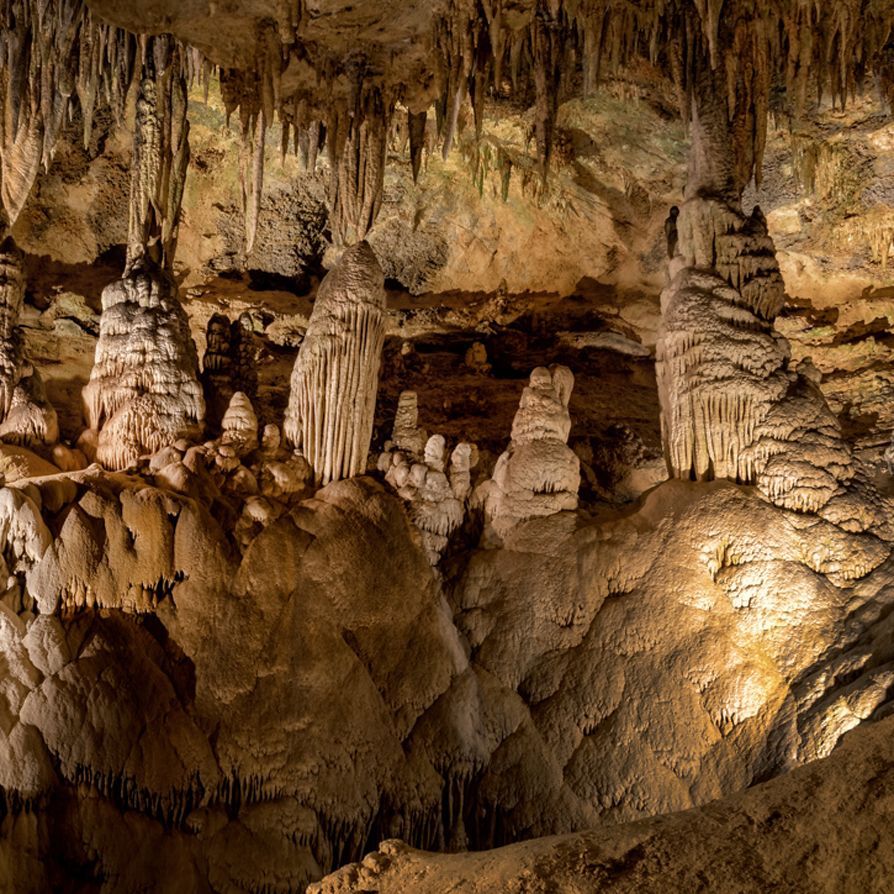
pixel 228 365
pixel 143 392
pixel 732 407
pixel 538 474
pixel 334 382
pixel 26 416
pixel 436 498
pixel 232 661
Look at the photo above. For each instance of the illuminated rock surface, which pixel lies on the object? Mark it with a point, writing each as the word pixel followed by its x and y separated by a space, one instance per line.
pixel 504 502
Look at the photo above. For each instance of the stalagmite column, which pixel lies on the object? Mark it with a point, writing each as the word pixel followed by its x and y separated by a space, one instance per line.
pixel 538 474
pixel 730 405
pixel 144 392
pixel 334 382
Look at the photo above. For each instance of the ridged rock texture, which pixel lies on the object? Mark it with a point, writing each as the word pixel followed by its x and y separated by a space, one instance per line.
pixel 143 392
pixel 538 474
pixel 731 405
pixel 333 388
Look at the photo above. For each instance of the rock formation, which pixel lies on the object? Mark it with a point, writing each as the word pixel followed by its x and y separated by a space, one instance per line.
pixel 234 662
pixel 436 501
pixel 26 416
pixel 333 388
pixel 228 364
pixel 539 474
pixel 144 393
pixel 731 406
pixel 780 834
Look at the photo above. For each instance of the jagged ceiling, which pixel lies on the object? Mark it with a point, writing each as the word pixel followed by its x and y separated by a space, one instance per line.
pixel 348 64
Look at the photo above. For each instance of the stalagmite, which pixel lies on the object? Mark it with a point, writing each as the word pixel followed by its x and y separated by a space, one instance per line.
pixel 26 416
pixel 417 470
pixel 240 425
pixel 143 392
pixel 228 364
pixel 538 474
pixel 334 382
pixel 406 433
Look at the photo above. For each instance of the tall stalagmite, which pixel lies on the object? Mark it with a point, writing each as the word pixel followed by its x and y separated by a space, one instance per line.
pixel 723 371
pixel 144 392
pixel 334 382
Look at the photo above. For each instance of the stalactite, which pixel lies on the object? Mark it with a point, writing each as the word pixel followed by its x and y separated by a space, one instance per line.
pixel 160 155
pixel 251 175
pixel 357 143
pixel 333 388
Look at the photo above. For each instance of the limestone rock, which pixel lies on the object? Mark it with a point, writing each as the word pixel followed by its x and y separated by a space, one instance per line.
pixel 538 474
pixel 334 382
pixel 143 393
pixel 788 830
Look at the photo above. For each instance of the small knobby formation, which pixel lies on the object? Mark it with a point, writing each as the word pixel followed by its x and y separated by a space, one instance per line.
pixel 536 476
pixel 416 467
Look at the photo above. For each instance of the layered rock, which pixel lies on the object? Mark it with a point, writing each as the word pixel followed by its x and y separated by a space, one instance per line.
pixel 731 405
pixel 333 388
pixel 143 392
pixel 538 474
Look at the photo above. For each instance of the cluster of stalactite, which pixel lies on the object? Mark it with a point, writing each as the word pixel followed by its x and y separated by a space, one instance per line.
pixel 56 55
pixel 58 63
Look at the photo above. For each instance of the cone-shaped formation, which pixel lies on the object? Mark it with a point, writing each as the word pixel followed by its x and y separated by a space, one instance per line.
pixel 538 474
pixel 26 416
pixel 730 405
pixel 240 425
pixel 143 392
pixel 336 374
